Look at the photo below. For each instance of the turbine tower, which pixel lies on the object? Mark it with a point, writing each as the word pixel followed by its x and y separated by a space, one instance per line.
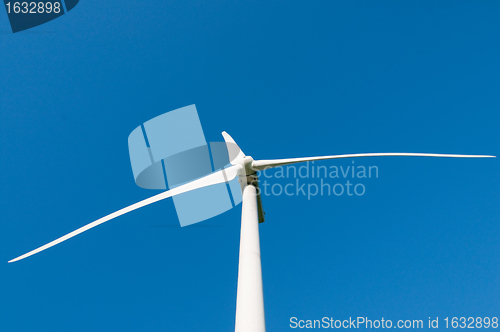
pixel 250 300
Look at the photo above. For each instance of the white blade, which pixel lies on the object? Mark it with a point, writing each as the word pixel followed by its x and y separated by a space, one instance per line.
pixel 259 165
pixel 222 176
pixel 234 151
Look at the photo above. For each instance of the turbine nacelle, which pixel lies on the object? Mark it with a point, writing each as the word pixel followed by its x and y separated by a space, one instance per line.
pixel 248 165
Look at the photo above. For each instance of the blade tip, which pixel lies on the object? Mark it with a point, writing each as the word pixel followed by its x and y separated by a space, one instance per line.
pixel 16 259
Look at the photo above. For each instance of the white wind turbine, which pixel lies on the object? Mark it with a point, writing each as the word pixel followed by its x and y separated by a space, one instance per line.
pixel 250 299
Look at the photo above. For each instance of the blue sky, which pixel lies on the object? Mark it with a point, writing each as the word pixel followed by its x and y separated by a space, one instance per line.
pixel 285 79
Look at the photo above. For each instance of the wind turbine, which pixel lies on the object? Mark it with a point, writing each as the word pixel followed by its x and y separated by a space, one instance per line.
pixel 250 299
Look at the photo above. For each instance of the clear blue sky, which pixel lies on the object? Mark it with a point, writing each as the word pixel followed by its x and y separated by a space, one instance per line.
pixel 285 79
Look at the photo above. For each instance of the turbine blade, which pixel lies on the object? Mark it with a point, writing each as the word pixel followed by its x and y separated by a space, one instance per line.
pixel 221 176
pixel 259 165
pixel 234 151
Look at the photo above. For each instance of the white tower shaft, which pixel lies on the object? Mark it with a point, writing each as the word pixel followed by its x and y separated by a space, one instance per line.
pixel 250 298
